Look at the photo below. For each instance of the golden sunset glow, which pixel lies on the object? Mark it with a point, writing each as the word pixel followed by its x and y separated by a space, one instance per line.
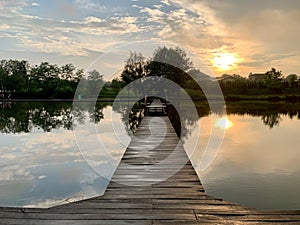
pixel 223 123
pixel 225 61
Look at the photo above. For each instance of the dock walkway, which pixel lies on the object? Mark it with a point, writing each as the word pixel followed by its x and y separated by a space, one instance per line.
pixel 156 107
pixel 180 199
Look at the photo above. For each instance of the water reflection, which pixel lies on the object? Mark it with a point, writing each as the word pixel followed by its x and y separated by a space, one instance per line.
pixel 271 113
pixel 25 116
pixel 41 165
pixel 259 156
pixel 224 123
pixel 131 117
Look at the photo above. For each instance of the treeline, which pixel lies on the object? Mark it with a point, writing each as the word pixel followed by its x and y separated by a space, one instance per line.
pixel 272 82
pixel 19 79
pixel 46 80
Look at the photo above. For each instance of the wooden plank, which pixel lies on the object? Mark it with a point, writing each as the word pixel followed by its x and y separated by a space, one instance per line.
pixel 74 222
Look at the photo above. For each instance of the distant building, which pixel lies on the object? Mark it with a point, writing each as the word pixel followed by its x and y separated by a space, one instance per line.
pixel 256 76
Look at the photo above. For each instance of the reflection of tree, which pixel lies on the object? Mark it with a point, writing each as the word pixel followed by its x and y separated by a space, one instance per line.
pixel 270 113
pixel 96 113
pixel 271 119
pixel 23 117
pixel 131 117
pixel 183 122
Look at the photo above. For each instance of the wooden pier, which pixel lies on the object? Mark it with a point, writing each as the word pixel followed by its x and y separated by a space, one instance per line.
pixel 180 199
pixel 156 107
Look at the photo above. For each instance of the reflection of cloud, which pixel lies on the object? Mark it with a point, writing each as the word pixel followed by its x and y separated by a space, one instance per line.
pixel 253 147
pixel 46 169
pixel 254 163
pixel 15 172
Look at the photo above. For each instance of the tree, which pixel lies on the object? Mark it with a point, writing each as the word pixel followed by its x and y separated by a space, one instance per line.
pixel 14 76
pixel 76 79
pixel 45 78
pixel 273 80
pixel 171 63
pixel 94 75
pixel 67 72
pixel 273 75
pixel 292 80
pixel 95 80
pixel 134 68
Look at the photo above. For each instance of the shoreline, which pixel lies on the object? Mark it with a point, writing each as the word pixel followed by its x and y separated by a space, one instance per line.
pixel 198 99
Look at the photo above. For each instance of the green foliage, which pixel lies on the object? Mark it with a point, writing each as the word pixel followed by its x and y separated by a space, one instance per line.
pixel 13 75
pixel 170 63
pixel 134 68
pixel 95 81
pixel 272 84
pixel 273 75
pixel 40 81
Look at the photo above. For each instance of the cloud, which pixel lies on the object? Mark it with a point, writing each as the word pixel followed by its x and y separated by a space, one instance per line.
pixel 11 7
pixel 200 26
pixel 35 4
pixel 277 30
pixel 155 15
pixel 265 60
pixel 4 27
pixel 96 6
pixel 166 2
pixel 69 37
pixel 233 26
pixel 90 5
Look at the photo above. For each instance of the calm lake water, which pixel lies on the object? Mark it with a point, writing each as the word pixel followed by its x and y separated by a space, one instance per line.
pixel 43 162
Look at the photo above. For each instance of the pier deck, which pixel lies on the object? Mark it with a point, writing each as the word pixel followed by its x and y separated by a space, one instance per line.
pixel 156 107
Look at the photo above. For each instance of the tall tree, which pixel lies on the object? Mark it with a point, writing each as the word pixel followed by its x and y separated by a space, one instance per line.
pixel 14 76
pixel 272 79
pixel 134 68
pixel 273 74
pixel 170 63
pixel 292 80
pixel 45 78
pixel 95 80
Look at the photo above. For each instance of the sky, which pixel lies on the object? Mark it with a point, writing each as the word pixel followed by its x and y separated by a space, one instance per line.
pixel 232 36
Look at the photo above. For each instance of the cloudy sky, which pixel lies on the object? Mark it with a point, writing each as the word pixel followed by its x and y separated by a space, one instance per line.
pixel 232 36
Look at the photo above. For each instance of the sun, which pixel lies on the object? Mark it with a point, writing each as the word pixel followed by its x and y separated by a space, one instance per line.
pixel 224 61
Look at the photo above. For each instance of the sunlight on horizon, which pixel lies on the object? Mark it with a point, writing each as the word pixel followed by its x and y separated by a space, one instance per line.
pixel 225 61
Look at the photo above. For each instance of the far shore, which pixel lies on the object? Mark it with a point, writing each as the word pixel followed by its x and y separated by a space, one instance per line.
pixel 227 98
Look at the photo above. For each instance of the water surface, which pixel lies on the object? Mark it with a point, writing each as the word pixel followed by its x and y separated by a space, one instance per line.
pixel 258 162
pixel 42 161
